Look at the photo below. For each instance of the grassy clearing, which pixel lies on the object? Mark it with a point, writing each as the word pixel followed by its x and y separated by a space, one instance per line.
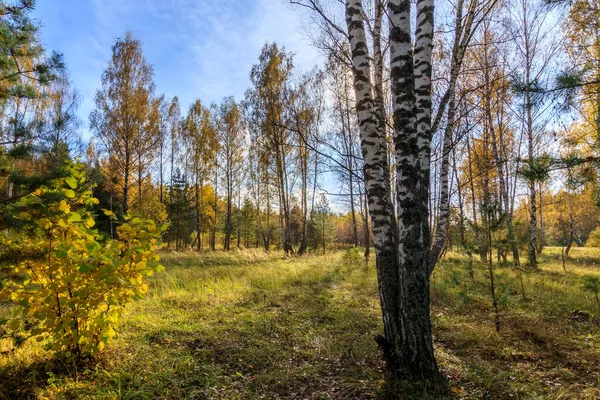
pixel 247 325
pixel 549 343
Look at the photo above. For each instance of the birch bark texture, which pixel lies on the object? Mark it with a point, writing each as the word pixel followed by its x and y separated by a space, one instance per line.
pixel 402 249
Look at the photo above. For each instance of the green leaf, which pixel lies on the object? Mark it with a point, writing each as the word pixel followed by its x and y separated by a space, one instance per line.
pixel 72 182
pixel 14 324
pixel 69 193
pixel 61 253
pixel 84 268
pixel 74 217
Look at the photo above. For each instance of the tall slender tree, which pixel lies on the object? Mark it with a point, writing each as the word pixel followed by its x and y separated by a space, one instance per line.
pixel 270 78
pixel 231 137
pixel 121 119
pixel 200 139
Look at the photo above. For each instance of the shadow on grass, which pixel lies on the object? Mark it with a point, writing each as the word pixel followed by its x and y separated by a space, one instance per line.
pixel 304 334
pixel 304 341
pixel 25 381
pixel 547 346
pixel 217 258
pixel 22 383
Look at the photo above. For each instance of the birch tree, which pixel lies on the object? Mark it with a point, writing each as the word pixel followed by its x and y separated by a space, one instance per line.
pixel 468 16
pixel 200 140
pixel 403 255
pixel 344 138
pixel 270 78
pixel 120 119
pixel 231 139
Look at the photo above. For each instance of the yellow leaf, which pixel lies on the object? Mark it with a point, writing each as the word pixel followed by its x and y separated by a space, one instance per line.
pixel 74 217
pixel 64 207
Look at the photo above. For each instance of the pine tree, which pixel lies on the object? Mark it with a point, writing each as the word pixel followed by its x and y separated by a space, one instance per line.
pixel 180 212
pixel 26 72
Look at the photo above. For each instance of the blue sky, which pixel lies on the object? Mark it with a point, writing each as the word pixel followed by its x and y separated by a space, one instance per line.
pixel 199 48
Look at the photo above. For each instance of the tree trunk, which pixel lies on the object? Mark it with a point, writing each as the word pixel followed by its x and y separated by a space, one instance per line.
pixel 441 229
pixel 530 143
pixel 367 229
pixel 461 218
pixel 380 202
pixel 140 183
pixel 402 254
pixel 126 173
pixel 532 225
pixel 226 243
pixel 213 243
pixel 541 241
pixel 353 212
pixel 199 214
pixel 304 197
pixel 411 90
pixel 239 210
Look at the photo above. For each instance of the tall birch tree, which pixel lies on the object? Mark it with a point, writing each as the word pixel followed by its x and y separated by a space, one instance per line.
pixel 403 255
pixel 123 109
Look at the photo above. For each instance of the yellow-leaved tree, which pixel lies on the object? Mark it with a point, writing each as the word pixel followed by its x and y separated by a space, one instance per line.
pixel 75 280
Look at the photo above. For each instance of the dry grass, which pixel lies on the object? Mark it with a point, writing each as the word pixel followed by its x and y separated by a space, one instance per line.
pixel 549 343
pixel 251 325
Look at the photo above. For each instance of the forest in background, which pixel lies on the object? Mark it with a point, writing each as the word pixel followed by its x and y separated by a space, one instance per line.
pixel 505 124
pixel 251 172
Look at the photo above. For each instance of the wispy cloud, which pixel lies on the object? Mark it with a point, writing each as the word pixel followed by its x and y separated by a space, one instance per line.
pixel 199 48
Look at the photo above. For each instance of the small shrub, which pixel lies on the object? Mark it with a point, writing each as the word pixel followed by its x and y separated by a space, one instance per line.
pixel 353 256
pixel 76 281
pixel 591 284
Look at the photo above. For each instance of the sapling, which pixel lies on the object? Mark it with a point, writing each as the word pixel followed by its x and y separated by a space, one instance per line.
pixel 591 284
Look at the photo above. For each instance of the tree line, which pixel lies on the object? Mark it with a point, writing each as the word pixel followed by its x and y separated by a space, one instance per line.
pixel 241 173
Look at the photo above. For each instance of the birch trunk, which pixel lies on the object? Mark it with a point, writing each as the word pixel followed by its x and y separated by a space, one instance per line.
pixel 403 258
pixel 411 91
pixel 376 170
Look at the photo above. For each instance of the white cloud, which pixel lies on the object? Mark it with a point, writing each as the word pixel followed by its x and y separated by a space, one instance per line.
pixel 199 48
pixel 225 54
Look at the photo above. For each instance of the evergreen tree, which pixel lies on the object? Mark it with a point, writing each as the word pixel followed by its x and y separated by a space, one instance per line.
pixel 321 231
pixel 25 74
pixel 180 212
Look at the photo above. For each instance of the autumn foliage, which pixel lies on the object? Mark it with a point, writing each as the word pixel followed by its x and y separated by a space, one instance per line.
pixel 76 280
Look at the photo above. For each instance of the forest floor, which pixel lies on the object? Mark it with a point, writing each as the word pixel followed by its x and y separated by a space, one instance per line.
pixel 247 325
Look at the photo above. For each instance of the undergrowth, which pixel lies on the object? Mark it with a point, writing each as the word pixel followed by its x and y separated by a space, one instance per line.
pixel 252 325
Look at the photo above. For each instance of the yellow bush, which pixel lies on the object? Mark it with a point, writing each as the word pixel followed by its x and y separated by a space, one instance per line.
pixel 77 281
pixel 594 238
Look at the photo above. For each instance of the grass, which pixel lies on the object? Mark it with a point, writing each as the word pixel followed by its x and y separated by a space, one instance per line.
pixel 549 343
pixel 247 325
